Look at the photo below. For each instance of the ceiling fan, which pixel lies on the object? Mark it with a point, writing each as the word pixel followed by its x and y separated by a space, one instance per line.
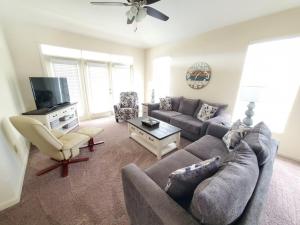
pixel 139 9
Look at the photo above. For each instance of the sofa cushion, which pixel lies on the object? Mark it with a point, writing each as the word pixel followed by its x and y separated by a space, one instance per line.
pixel 182 182
pixel 207 147
pixel 221 199
pixel 188 106
pixel 261 128
pixel 175 103
pixel 160 171
pixel 164 115
pixel 259 139
pixel 187 123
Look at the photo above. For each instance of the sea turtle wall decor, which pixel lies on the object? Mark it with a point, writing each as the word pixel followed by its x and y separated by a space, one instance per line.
pixel 198 75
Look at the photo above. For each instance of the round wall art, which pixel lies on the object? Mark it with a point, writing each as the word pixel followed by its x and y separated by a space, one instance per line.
pixel 198 75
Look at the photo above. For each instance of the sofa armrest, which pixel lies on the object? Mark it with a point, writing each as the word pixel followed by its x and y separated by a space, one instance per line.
pixel 148 204
pixel 217 130
pixel 222 119
pixel 152 106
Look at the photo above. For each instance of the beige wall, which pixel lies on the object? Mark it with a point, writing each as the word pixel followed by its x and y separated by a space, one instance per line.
pixel 224 50
pixel 13 148
pixel 24 40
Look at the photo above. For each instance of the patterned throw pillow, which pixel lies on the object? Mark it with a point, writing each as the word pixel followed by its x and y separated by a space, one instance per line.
pixel 165 104
pixel 236 133
pixel 183 182
pixel 206 112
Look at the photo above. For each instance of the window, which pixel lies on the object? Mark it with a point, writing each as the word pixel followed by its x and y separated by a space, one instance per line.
pixel 99 91
pixel 161 77
pixel 274 67
pixel 121 80
pixel 70 70
pixel 95 79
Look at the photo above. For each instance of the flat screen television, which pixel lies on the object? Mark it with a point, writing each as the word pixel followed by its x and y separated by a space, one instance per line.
pixel 49 92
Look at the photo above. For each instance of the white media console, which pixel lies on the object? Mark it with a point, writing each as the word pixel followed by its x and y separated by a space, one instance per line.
pixel 63 118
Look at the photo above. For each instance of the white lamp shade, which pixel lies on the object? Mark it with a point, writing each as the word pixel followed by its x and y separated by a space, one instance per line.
pixel 251 93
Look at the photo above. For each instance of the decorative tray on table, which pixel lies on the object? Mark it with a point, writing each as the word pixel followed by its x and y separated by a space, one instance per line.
pixel 149 122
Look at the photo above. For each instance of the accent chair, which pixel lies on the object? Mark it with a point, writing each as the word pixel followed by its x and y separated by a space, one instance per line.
pixel 128 107
pixel 60 147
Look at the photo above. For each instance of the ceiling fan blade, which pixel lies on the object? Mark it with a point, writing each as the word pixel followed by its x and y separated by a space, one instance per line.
pixel 156 14
pixel 110 3
pixel 149 2
pixel 130 21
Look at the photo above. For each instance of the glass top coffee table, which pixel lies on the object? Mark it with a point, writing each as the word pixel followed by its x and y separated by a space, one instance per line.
pixel 159 140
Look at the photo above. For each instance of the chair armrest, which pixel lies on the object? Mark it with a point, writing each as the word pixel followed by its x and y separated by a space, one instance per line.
pixel 217 130
pixel 116 108
pixel 152 106
pixel 222 119
pixel 147 203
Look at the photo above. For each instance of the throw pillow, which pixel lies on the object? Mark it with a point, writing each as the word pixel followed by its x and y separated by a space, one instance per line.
pixel 222 198
pixel 236 133
pixel 182 182
pixel 165 104
pixel 206 112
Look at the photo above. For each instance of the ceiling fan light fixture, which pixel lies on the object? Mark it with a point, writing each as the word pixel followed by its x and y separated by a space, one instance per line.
pixel 142 13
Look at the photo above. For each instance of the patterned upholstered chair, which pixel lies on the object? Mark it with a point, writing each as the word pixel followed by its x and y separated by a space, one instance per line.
pixel 128 107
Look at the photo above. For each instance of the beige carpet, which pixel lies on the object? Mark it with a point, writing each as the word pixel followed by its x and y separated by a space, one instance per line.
pixel 92 193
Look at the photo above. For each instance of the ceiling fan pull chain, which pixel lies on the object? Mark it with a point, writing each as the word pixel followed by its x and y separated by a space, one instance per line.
pixel 135 27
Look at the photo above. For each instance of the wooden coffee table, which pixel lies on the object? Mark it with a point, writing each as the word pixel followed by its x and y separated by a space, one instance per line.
pixel 160 140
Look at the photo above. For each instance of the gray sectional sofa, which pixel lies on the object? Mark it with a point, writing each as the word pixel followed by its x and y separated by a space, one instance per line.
pixel 183 115
pixel 148 204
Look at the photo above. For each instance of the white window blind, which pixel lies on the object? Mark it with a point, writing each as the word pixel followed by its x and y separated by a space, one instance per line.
pixel 121 80
pixel 274 67
pixel 70 70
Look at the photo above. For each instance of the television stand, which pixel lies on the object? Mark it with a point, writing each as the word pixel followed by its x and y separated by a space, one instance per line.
pixel 62 117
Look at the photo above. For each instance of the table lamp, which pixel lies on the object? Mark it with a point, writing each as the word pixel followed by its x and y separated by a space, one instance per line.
pixel 250 94
pixel 151 87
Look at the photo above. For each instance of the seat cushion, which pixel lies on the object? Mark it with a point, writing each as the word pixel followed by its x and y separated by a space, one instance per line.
pixel 222 198
pixel 73 140
pixel 160 171
pixel 164 115
pixel 188 106
pixel 187 123
pixel 90 131
pixel 207 147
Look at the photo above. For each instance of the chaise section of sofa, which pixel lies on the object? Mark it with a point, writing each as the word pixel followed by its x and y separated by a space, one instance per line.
pixel 184 115
pixel 148 204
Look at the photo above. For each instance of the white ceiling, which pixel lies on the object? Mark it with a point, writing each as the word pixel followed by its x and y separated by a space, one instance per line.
pixel 187 17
